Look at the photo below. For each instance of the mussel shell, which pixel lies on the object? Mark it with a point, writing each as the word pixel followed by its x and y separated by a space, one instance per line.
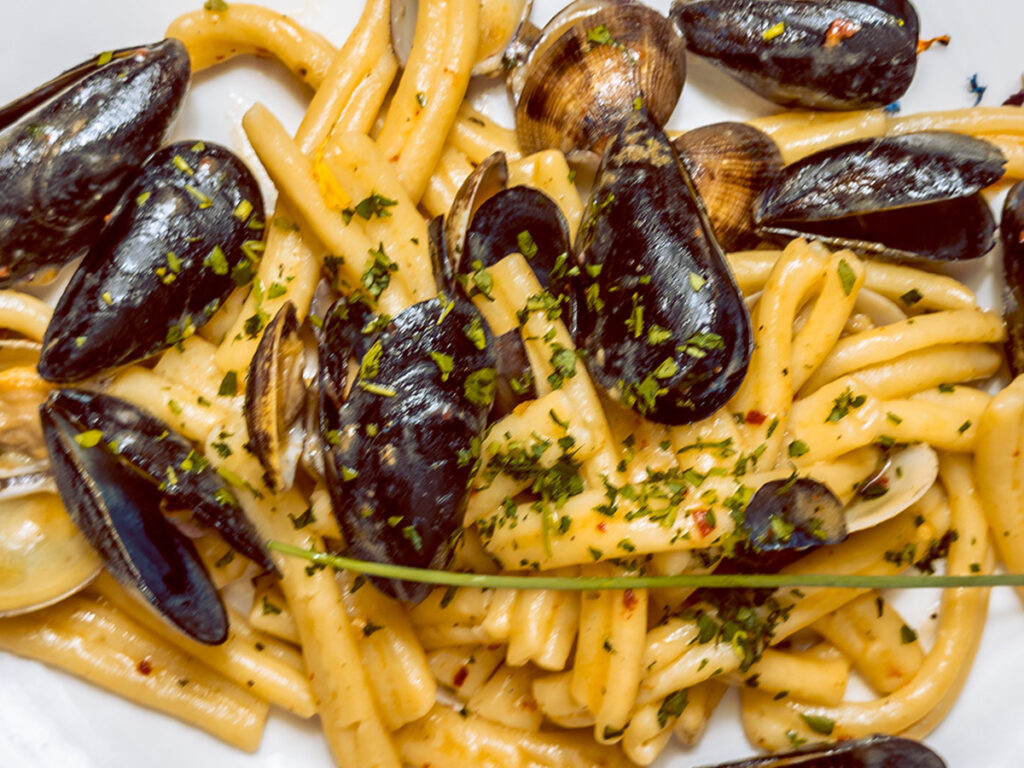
pixel 68 150
pixel 663 322
pixel 275 397
pixel 784 51
pixel 580 87
pixel 514 384
pixel 912 197
pixel 155 450
pixel 169 257
pixel 870 752
pixel 1011 230
pixel 487 179
pixel 794 514
pixel 402 455
pixel 119 512
pixel 730 164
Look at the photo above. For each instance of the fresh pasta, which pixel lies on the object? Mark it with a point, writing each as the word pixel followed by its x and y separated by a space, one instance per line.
pixel 861 371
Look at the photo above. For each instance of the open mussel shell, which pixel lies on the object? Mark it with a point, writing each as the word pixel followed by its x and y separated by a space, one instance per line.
pixel 118 510
pixel 275 398
pixel 902 477
pixel 487 179
pixel 1011 230
pixel 730 164
pixel 912 198
pixel 832 54
pixel 68 150
pixel 591 69
pixel 157 452
pixel 179 243
pixel 402 450
pixel 870 752
pixel 663 323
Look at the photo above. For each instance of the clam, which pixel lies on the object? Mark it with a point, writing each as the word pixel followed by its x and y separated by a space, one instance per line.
pixel 913 197
pixel 181 240
pixel 402 444
pixel 24 468
pixel 69 149
pixel 1011 230
pixel 275 399
pixel 828 54
pixel 118 510
pixel 901 479
pixel 871 752
pixel 662 321
pixel 730 164
pixel 592 66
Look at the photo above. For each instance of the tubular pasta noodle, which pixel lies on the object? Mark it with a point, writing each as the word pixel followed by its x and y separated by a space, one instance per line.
pixel 891 341
pixel 998 468
pixel 869 632
pixel 507 698
pixel 549 172
pixel 270 670
pixel 554 696
pixel 98 643
pixel 445 739
pixel 24 314
pixel 464 669
pixel 212 37
pixel 945 665
pixel 453 168
pixel 270 612
pixel 609 647
pixel 362 109
pixel 427 100
pixel 798 134
pixel 930 367
pixel 478 137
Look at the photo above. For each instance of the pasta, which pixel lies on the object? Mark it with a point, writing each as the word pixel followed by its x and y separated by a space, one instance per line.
pixel 845 372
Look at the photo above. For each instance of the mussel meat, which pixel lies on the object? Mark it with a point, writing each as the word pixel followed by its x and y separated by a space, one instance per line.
pixel 404 444
pixel 69 149
pixel 594 64
pixel 825 54
pixel 913 197
pixel 179 243
pixel 662 320
pixel 871 752
pixel 1011 231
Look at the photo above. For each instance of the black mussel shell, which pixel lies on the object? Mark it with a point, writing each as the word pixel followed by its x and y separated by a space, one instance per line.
pixel 174 250
pixel 834 54
pixel 1012 234
pixel 870 752
pixel 912 197
pixel 155 450
pixel 440 263
pixel 514 383
pixel 663 323
pixel 118 511
pixel 402 453
pixel 68 150
pixel 794 514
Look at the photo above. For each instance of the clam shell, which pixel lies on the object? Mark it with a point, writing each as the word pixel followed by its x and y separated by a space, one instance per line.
pixel 580 86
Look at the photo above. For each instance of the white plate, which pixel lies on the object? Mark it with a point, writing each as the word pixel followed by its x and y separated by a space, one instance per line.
pixel 51 720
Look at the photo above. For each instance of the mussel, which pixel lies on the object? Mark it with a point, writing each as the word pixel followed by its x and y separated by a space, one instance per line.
pixel 661 319
pixel 820 54
pixel 180 241
pixel 1011 231
pixel 870 752
pixel 913 197
pixel 68 150
pixel 118 510
pixel 403 443
pixel 594 63
pixel 730 164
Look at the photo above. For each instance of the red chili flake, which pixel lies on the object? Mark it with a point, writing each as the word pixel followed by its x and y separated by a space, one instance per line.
pixel 530 705
pixel 602 526
pixel 629 600
pixel 145 667
pixel 839 30
pixel 755 418
pixel 460 676
pixel 924 45
pixel 700 518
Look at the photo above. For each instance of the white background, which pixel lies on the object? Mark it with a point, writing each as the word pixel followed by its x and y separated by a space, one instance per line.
pixel 48 719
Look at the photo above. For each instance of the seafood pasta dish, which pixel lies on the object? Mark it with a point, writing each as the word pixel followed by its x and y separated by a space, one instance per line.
pixel 497 383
